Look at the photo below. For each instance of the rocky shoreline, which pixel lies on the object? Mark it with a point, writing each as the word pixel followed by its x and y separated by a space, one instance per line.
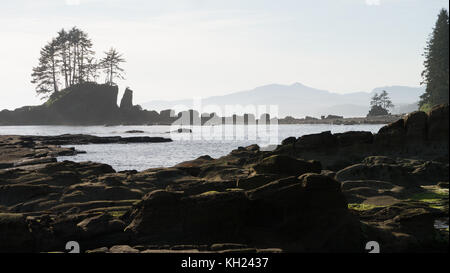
pixel 335 120
pixel 25 151
pixel 317 193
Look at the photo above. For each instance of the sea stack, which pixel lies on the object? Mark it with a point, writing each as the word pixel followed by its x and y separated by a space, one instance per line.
pixel 127 100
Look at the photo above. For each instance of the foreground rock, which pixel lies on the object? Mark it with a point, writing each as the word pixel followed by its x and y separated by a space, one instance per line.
pixel 21 151
pixel 318 193
pixel 270 214
pixel 15 235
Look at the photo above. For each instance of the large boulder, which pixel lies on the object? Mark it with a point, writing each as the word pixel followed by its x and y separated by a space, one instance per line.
pixel 286 165
pixel 406 227
pixel 381 172
pixel 391 135
pixel 270 191
pixel 354 137
pixel 318 182
pixel 255 180
pixel 289 140
pixel 308 213
pixel 410 173
pixel 18 193
pixel 156 213
pixel 310 190
pixel 210 216
pixel 416 126
pixel 100 225
pixel 438 123
pixel 322 140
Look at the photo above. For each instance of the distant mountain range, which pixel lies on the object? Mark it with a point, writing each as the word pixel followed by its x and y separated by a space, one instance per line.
pixel 298 100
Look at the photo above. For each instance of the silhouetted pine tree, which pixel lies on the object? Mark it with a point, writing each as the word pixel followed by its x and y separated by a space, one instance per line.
pixel 45 74
pixel 436 63
pixel 69 58
pixel 110 64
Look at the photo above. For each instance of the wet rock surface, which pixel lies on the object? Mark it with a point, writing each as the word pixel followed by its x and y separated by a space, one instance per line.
pixel 17 151
pixel 318 193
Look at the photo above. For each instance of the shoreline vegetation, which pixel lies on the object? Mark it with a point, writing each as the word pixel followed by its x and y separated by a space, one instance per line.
pixel 316 193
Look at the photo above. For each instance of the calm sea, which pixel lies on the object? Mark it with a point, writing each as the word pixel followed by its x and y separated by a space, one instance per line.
pixel 215 141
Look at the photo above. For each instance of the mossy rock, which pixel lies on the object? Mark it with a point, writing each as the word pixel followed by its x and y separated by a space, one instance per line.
pixel 362 207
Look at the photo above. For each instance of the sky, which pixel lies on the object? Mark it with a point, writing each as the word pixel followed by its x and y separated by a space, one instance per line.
pixel 177 49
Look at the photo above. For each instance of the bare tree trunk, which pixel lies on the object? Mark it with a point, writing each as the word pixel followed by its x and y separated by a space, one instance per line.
pixel 111 75
pixel 65 70
pixel 74 75
pixel 69 57
pixel 81 66
pixel 55 84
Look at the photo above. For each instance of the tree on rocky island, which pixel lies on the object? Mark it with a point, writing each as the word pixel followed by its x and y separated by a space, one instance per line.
pixel 69 59
pixel 110 64
pixel 80 50
pixel 436 73
pixel 385 101
pixel 92 67
pixel 380 104
pixel 45 74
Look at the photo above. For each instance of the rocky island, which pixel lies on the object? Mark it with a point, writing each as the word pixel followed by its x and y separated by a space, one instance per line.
pixel 90 103
pixel 316 193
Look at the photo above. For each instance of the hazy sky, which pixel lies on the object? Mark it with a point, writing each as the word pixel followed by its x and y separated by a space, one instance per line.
pixel 185 48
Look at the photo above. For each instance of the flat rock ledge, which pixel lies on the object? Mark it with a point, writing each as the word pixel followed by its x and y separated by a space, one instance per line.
pixel 318 193
pixel 18 151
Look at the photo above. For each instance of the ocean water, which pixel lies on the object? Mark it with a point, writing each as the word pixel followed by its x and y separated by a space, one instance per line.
pixel 215 141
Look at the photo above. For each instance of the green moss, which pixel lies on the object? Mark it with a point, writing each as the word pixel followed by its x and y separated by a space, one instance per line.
pixel 430 196
pixel 439 207
pixel 356 206
pixel 209 193
pixel 117 214
pixel 434 197
pixel 234 189
pixel 426 107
